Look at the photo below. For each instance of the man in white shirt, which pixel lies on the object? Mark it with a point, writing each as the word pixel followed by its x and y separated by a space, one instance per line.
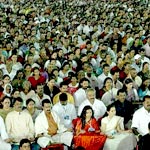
pixel 39 96
pixel 80 94
pixel 48 128
pixel 19 125
pixel 4 140
pixel 97 105
pixel 66 111
pixel 141 118
pixel 104 75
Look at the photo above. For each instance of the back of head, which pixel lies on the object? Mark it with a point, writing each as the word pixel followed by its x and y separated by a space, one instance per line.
pixel 63 97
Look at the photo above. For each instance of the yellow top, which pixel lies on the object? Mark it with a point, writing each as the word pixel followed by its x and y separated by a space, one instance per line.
pixel 70 98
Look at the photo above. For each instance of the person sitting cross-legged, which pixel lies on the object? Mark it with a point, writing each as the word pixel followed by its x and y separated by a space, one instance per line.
pixel 113 126
pixel 87 131
pixel 48 128
pixel 19 125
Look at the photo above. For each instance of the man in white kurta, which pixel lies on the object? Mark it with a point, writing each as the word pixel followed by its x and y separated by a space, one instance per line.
pixel 47 134
pixel 19 125
pixel 39 96
pixel 141 118
pixel 80 94
pixel 97 105
pixel 3 136
pixel 65 110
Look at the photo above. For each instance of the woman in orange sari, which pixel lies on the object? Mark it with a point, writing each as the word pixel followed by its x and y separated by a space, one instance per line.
pixel 87 131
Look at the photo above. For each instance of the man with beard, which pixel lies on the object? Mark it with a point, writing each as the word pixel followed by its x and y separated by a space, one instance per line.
pixel 141 118
pixel 137 63
pixel 39 96
pixel 98 106
pixel 48 128
pixel 80 94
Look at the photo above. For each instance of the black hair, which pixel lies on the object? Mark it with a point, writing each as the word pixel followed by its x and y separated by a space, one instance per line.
pixel 29 100
pixel 63 97
pixel 82 80
pixel 120 91
pixel 108 78
pixel 44 101
pixel 19 99
pixel 23 141
pixel 63 83
pixel 128 80
pixel 146 97
pixel 83 114
pixel 110 106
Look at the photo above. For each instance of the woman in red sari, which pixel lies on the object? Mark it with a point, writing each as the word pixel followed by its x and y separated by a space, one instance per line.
pixel 87 131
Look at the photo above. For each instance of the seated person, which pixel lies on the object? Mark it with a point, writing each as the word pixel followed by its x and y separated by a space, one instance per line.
pixel 141 118
pixel 24 144
pixel 31 109
pixel 63 89
pixel 65 110
pixel 6 101
pixel 4 140
pixel 112 125
pixel 143 143
pixel 19 125
pixel 48 128
pixel 87 132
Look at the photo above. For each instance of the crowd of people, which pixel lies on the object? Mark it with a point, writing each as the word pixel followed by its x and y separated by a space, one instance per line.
pixel 72 70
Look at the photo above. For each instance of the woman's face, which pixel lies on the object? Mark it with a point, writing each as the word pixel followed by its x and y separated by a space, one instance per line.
pixel 60 53
pixel 146 83
pixel 36 72
pixel 146 67
pixel 112 112
pixel 108 57
pixel 6 103
pixel 8 89
pixel 66 67
pixel 88 113
pixel 51 82
pixel 31 105
pixel 55 73
pixel 108 83
pixel 129 85
pixel 54 55
pixel 28 69
pixel 6 80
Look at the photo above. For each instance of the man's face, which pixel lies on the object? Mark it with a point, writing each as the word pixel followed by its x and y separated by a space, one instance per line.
pixel 116 75
pixel 64 88
pixel 39 89
pixel 121 97
pixel 85 84
pixel 91 96
pixel 25 146
pixel 146 104
pixel 133 73
pixel 16 94
pixel 18 106
pixel 106 70
pixel 47 108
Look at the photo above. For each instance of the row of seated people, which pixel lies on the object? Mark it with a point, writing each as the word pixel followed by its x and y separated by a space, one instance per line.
pixel 51 126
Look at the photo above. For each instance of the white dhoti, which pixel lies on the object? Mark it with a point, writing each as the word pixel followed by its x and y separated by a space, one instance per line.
pixel 65 138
